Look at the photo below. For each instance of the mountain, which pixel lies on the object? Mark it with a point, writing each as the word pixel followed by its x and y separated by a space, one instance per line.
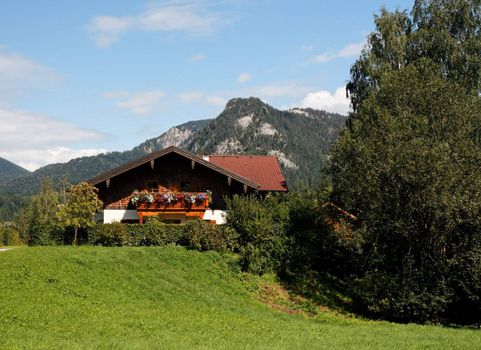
pixel 82 168
pixel 176 136
pixel 299 137
pixel 10 170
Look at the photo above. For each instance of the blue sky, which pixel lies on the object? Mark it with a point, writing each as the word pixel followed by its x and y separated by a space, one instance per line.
pixel 83 77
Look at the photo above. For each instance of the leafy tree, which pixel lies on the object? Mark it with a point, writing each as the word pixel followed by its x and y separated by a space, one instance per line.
pixel 81 205
pixel 443 31
pixel 38 219
pixel 407 165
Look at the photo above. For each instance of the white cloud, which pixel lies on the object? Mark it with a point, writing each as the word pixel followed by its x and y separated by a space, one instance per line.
pixel 197 58
pixel 186 18
pixel 105 30
pixel 140 103
pixel 350 50
pixel 243 77
pixel 323 99
pixel 19 74
pixel 33 159
pixel 32 140
pixel 178 18
pixel 216 100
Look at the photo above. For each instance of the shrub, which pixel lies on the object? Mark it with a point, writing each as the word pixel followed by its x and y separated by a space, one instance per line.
pixel 155 233
pixel 203 236
pixel 110 235
pixel 45 234
pixel 262 228
pixel 9 235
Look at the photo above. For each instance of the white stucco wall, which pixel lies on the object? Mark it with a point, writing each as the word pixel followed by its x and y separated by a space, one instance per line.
pixel 217 215
pixel 117 215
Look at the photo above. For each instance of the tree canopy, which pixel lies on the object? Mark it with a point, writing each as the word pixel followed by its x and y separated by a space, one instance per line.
pixel 408 163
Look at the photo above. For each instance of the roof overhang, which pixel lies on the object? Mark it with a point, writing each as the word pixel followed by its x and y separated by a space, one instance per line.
pixel 159 154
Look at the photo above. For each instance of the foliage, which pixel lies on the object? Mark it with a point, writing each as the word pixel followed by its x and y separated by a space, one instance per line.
pixel 80 207
pixel 170 198
pixel 109 235
pixel 445 32
pixel 197 234
pixel 47 234
pixel 262 228
pixel 407 166
pixel 10 170
pixel 10 204
pixel 202 236
pixel 155 233
pixel 9 235
pixel 37 222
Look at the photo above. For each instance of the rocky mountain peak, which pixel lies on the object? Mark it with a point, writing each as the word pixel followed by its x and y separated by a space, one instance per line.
pixel 246 104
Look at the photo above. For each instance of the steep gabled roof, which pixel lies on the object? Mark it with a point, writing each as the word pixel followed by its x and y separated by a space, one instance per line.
pixel 264 170
pixel 158 154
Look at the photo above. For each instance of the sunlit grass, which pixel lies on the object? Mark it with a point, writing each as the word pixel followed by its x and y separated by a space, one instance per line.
pixel 168 297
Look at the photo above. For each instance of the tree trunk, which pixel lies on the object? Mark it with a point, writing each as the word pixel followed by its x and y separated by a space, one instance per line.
pixel 75 236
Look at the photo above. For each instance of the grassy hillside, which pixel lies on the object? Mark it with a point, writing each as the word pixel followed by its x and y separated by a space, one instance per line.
pixel 166 297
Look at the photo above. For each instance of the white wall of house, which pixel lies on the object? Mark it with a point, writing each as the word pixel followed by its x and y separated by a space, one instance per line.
pixel 217 215
pixel 117 215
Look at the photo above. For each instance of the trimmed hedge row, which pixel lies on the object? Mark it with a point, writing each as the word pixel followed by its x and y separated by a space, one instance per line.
pixel 197 234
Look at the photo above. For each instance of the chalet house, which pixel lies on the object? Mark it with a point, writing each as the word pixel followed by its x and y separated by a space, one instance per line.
pixel 176 185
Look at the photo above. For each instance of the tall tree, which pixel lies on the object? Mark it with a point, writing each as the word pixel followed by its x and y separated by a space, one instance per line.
pixel 446 32
pixel 408 164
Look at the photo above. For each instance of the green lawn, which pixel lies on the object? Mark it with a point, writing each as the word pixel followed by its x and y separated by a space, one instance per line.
pixel 167 297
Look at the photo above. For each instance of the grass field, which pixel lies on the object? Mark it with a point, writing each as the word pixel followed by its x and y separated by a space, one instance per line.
pixel 167 297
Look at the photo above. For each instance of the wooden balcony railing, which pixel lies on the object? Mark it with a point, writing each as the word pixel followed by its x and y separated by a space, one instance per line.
pixel 172 201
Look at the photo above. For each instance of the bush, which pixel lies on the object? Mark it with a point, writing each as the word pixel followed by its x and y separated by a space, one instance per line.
pixel 9 235
pixel 45 234
pixel 109 235
pixel 262 228
pixel 155 233
pixel 203 236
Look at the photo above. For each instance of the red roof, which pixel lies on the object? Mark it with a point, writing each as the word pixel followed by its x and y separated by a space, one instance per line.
pixel 263 170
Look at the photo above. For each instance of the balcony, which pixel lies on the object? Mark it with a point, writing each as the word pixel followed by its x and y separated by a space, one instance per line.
pixel 171 201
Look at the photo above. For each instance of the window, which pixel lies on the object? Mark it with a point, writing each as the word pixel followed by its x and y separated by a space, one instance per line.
pixel 185 186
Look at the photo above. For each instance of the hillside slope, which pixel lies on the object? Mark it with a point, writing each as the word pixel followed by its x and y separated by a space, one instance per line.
pixel 167 297
pixel 10 170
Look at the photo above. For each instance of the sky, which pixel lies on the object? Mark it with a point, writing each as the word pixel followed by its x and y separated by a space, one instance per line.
pixel 84 77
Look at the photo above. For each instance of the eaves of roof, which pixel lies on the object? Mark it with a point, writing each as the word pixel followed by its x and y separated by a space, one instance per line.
pixel 172 149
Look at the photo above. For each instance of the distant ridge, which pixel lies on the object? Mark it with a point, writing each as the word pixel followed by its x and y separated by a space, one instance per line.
pixel 9 170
